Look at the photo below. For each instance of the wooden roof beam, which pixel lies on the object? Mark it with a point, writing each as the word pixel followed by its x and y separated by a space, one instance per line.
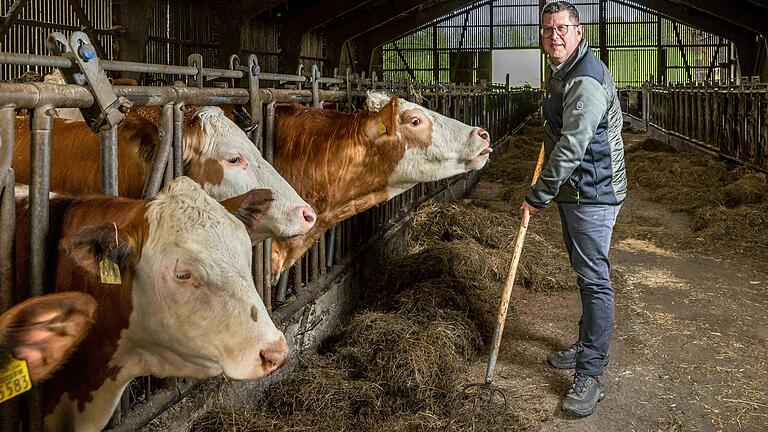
pixel 354 24
pixel 373 38
pixel 744 39
pixel 361 21
pixel 302 18
pixel 737 12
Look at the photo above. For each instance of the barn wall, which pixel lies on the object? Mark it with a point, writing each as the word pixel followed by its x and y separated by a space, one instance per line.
pixel 260 36
pixel 312 52
pixel 762 70
pixel 38 18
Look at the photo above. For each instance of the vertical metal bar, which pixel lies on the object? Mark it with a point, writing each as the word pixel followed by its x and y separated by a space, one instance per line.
pixel 162 152
pixel 109 162
pixel 338 242
pixel 270 132
pixel 321 254
pixel 266 265
pixel 268 151
pixel 9 411
pixel 258 269
pixel 314 263
pixel 8 206
pixel 297 276
pixel 40 160
pixel 282 286
pixel 168 175
pixel 316 87
pixel 256 110
pixel 331 245
pixel 178 139
pixel 8 221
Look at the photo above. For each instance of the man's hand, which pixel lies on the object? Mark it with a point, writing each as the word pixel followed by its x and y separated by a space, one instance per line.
pixel 528 211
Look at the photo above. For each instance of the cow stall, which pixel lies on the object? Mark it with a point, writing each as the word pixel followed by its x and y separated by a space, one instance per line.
pixel 330 261
pixel 727 121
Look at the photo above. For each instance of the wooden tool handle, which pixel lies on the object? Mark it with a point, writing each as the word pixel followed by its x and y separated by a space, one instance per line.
pixel 509 282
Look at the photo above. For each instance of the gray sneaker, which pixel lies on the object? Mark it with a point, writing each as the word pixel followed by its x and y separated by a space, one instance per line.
pixel 586 391
pixel 566 359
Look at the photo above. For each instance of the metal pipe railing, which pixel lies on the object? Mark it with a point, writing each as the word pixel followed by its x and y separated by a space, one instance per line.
pixel 109 184
pixel 727 120
pixel 338 246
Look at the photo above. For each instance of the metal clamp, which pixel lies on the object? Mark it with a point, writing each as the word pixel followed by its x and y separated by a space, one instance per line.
pixel 86 70
pixel 300 71
pixel 315 87
pixel 348 83
pixel 196 61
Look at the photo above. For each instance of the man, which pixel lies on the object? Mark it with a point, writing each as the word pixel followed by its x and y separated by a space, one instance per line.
pixel 584 174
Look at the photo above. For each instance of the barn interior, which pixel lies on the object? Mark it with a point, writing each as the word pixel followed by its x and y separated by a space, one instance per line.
pixel 390 312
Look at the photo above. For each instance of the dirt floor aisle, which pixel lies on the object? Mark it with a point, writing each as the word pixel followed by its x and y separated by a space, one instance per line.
pixel 690 348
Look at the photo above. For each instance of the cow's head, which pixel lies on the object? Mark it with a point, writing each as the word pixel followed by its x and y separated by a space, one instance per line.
pixel 43 331
pixel 219 156
pixel 433 146
pixel 195 311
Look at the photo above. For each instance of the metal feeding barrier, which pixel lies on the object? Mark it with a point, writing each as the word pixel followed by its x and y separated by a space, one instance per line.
pixel 729 121
pixel 496 108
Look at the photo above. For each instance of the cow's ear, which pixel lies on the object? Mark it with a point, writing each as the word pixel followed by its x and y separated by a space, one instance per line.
pixel 89 246
pixel 45 330
pixel 384 122
pixel 250 208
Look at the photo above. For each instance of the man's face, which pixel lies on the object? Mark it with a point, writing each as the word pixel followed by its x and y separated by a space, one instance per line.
pixel 558 47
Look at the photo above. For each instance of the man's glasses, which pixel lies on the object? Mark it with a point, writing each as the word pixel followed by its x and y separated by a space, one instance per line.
pixel 562 30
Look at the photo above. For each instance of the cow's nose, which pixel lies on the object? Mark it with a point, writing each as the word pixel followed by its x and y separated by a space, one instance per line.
pixel 273 356
pixel 483 134
pixel 308 217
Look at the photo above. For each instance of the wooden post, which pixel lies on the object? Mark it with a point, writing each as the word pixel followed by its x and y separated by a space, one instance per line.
pixel 718 119
pixel 700 105
pixel 742 151
pixel 752 122
pixel 763 144
pixel 707 129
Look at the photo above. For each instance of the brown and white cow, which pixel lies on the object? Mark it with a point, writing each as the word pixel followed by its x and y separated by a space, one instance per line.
pixel 343 164
pixel 217 154
pixel 185 305
pixel 44 330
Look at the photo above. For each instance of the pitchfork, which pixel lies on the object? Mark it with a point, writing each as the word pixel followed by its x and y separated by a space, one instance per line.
pixel 486 391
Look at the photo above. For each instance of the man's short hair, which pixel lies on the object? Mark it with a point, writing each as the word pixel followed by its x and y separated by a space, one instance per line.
pixel 560 6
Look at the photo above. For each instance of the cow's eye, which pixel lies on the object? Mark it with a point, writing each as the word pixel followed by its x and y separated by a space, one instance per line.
pixel 415 121
pixel 182 275
pixel 234 160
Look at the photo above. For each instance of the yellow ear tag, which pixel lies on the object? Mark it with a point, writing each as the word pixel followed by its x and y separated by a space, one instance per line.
pixel 109 272
pixel 382 128
pixel 14 379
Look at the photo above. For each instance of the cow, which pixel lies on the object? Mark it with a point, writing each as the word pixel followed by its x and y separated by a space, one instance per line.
pixel 343 164
pixel 217 154
pixel 43 331
pixel 172 280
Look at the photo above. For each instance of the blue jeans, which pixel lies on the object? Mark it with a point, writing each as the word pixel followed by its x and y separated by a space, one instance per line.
pixel 587 233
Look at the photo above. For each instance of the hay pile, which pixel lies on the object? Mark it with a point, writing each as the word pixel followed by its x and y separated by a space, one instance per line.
pixel 727 204
pixel 401 363
pixel 462 220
